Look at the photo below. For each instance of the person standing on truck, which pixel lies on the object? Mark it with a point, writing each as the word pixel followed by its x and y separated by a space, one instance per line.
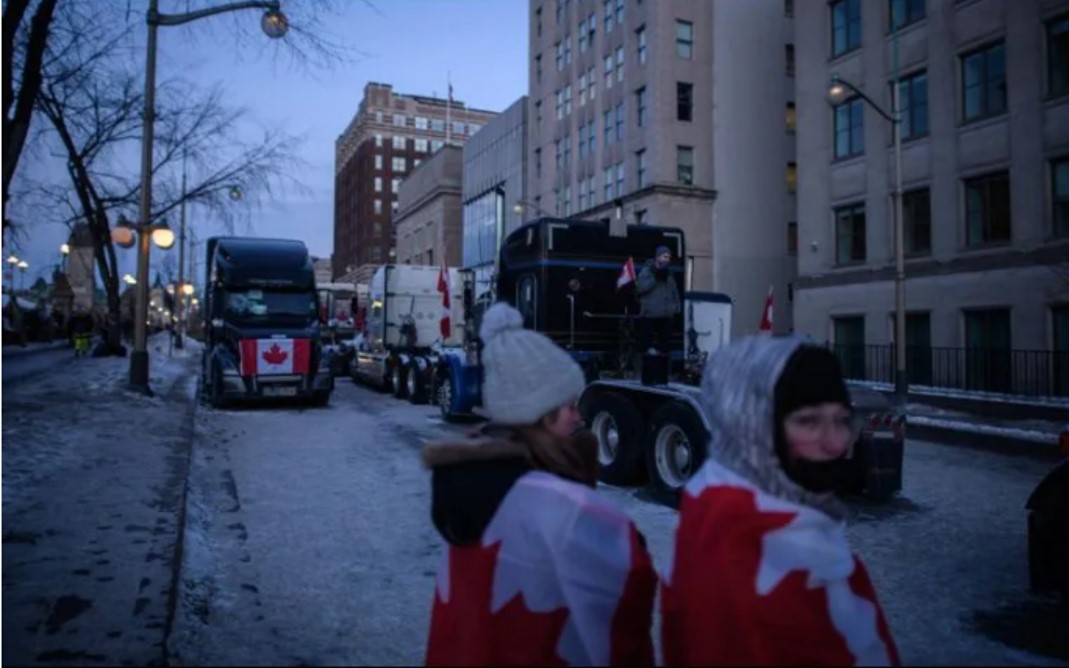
pixel 762 572
pixel 659 303
pixel 539 569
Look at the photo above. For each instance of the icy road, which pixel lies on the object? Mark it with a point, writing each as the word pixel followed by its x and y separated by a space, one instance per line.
pixel 308 541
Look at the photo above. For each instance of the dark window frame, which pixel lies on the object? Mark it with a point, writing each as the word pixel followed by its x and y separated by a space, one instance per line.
pixel 991 107
pixel 918 199
pixel 858 247
pixel 984 183
pixel 684 101
pixel 1059 203
pixel 1057 86
pixel 855 106
pixel 852 23
pixel 914 14
pixel 914 115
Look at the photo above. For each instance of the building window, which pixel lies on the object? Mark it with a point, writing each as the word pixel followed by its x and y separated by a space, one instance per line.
pixel 376 254
pixel 591 28
pixel 378 162
pixel 906 12
pixel 913 100
pixel 378 116
pixel 685 40
pixel 1058 56
pixel 918 346
pixel 538 162
pixel 850 234
pixel 538 111
pixel 788 8
pixel 619 179
pixel 378 141
pixel 582 89
pixel 619 11
pixel 567 99
pixel 987 209
pixel 608 71
pixel 399 164
pixel 641 33
pixel 1059 196
pixel 421 145
pixel 592 193
pixel 640 217
pixel 640 168
pixel 608 16
pixel 592 79
pixel 538 21
pixel 608 184
pixel 559 46
pixel 421 123
pixel 789 55
pixel 848 336
pixel 538 68
pixel 436 144
pixel 399 120
pixel 378 206
pixel 983 82
pixel 607 119
pixel 845 26
pixel 560 103
pixel 399 143
pixel 395 186
pixel 792 178
pixel 988 350
pixel 438 125
pixel 684 101
pixel 581 32
pixel 849 128
pixel 376 229
pixel 917 221
pixel 792 118
pixel 685 165
pixel 640 106
pixel 560 10
pixel 620 122
pixel 619 63
pixel 591 138
pixel 567 50
pixel 792 238
pixel 378 184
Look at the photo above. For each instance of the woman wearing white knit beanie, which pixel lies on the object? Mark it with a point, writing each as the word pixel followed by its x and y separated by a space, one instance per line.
pixel 539 568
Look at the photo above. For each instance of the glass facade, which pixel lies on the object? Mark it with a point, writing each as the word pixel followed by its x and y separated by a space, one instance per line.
pixel 484 218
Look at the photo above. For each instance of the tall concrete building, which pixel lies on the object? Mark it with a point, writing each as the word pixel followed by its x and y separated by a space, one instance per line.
pixel 671 113
pixel 985 170
pixel 389 136
pixel 429 211
pixel 495 201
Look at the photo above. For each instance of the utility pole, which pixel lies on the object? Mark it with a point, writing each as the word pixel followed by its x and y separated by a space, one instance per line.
pixel 180 293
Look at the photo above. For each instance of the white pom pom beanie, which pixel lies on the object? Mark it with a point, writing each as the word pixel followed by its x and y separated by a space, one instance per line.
pixel 525 374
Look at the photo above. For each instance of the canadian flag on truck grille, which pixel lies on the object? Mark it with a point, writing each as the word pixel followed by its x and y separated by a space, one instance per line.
pixel 265 357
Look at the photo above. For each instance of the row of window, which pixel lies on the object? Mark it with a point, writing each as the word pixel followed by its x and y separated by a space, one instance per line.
pixel 987 362
pixel 422 123
pixel 987 217
pixel 396 164
pixel 845 17
pixel 400 143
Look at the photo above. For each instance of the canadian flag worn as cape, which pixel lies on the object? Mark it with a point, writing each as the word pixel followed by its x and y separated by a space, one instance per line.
pixel 759 580
pixel 560 577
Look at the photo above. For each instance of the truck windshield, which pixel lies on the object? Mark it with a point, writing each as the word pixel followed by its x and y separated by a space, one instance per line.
pixel 256 304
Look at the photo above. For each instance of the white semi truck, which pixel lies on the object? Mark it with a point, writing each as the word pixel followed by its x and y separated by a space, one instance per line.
pixel 403 334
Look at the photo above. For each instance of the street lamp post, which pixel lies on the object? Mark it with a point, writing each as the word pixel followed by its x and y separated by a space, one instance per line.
pixel 275 25
pixel 838 91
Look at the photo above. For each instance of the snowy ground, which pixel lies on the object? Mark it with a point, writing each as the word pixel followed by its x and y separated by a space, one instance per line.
pixel 92 482
pixel 309 541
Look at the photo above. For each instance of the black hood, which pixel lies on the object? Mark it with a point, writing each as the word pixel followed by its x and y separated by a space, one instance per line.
pixel 469 480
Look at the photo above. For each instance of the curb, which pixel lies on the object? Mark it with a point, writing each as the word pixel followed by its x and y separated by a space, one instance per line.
pixel 1015 442
pixel 177 392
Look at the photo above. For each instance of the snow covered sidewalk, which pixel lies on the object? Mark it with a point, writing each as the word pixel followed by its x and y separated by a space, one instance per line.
pixel 93 485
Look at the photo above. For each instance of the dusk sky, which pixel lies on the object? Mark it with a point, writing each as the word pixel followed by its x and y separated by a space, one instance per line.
pixel 411 44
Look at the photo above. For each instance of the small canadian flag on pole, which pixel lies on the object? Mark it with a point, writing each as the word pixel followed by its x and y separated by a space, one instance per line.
pixel 766 314
pixel 627 274
pixel 445 324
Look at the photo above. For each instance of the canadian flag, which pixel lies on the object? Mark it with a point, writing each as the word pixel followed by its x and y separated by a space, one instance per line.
pixel 445 323
pixel 627 274
pixel 265 357
pixel 766 314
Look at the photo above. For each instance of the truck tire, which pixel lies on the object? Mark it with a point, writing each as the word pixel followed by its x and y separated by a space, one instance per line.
pixel 620 429
pixel 677 446
pixel 398 379
pixel 443 397
pixel 416 388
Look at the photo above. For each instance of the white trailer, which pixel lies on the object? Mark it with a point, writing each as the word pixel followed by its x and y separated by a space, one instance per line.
pixel 402 336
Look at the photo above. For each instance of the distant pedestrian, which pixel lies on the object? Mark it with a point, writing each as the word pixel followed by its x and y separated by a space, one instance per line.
pixel 659 303
pixel 539 569
pixel 762 572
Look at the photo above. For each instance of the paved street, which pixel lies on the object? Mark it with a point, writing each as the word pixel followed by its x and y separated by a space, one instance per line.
pixel 309 541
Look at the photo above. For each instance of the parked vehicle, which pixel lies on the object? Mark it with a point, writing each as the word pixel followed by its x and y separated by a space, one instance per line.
pixel 562 276
pixel 262 327
pixel 1048 529
pixel 403 338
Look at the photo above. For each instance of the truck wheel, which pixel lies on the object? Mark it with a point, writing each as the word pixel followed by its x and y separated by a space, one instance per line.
pixel 414 382
pixel 618 425
pixel 443 396
pixel 677 447
pixel 398 380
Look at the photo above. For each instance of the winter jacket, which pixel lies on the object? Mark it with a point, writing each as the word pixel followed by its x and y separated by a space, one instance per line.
pixel 538 569
pixel 762 571
pixel 657 291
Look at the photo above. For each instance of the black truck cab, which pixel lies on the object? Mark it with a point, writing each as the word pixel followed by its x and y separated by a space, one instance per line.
pixel 262 330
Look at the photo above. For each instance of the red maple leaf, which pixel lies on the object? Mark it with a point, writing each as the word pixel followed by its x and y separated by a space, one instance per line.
pixel 712 613
pixel 275 355
pixel 465 632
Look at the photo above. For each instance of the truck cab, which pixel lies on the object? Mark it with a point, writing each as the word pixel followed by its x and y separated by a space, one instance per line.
pixel 262 330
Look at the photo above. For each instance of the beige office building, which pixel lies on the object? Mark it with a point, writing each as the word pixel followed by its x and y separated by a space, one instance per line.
pixel 428 218
pixel 985 170
pixel 675 111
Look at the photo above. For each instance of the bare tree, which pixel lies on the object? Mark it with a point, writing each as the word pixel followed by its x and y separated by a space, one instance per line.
pixel 93 101
pixel 23 50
